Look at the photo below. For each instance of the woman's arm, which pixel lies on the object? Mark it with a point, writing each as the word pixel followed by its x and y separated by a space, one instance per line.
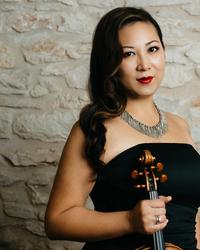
pixel 198 230
pixel 66 217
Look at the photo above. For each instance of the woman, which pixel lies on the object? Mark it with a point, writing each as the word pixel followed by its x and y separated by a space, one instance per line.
pixel 126 68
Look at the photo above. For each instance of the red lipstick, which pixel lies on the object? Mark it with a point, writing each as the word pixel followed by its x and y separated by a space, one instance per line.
pixel 145 80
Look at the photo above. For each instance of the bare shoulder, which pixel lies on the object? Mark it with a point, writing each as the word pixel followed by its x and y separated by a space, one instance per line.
pixel 76 132
pixel 74 149
pixel 179 129
pixel 178 121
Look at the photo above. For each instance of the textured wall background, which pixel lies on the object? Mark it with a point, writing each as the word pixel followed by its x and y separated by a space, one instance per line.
pixel 44 55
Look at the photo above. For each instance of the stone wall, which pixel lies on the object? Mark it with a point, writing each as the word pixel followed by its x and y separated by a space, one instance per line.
pixel 44 55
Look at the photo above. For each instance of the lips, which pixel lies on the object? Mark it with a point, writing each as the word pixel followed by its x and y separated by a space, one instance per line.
pixel 145 80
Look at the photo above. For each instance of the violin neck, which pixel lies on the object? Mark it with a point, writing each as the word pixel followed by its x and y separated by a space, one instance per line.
pixel 158 239
pixel 153 195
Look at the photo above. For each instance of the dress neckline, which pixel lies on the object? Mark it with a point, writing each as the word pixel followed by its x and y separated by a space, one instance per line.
pixel 147 143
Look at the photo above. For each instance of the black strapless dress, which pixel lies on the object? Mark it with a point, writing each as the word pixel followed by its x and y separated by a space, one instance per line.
pixel 113 191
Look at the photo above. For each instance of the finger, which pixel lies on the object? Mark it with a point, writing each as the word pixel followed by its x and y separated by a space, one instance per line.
pixel 158 203
pixel 161 201
pixel 158 219
pixel 159 211
pixel 159 226
pixel 166 199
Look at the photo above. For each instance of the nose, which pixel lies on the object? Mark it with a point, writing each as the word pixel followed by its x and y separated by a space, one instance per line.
pixel 143 63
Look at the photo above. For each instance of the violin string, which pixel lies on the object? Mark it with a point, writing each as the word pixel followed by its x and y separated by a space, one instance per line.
pixel 157 236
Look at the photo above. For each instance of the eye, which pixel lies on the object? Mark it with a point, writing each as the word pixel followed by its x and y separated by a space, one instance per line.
pixel 153 49
pixel 128 53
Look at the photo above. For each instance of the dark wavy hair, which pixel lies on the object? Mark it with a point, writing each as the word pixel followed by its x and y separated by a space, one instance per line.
pixel 107 94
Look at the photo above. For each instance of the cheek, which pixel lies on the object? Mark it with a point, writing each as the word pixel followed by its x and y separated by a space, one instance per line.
pixel 159 63
pixel 126 69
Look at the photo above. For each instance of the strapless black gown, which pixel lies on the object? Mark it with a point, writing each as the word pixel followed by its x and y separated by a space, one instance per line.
pixel 113 191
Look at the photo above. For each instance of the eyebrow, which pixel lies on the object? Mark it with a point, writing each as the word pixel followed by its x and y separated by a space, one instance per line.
pixel 132 47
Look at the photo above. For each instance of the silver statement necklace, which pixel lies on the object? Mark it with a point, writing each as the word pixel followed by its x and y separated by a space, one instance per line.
pixel 153 131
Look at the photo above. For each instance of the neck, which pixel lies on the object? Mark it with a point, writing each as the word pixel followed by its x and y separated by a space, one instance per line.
pixel 145 104
pixel 143 110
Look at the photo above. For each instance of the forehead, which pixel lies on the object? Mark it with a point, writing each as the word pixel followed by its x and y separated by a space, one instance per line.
pixel 138 32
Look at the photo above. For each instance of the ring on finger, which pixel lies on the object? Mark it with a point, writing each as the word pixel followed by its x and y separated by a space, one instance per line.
pixel 158 219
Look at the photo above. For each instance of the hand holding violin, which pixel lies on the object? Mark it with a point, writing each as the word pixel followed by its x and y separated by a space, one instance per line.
pixel 149 216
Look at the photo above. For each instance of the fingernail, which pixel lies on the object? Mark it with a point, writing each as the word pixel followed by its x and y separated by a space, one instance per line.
pixel 169 198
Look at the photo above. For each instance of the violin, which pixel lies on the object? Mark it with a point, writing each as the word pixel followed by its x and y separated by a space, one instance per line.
pixel 147 175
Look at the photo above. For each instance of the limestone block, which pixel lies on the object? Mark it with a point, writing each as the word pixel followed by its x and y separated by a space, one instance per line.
pixel 75 72
pixel 8 237
pixel 68 2
pixel 102 4
pixel 5 123
pixel 7 57
pixel 43 126
pixel 39 195
pixel 195 121
pixel 195 113
pixel 77 21
pixel 59 5
pixel 17 1
pixel 77 76
pixel 174 23
pixel 50 102
pixel 176 55
pixel 7 6
pixel 39 91
pixel 41 176
pixel 23 211
pixel 44 50
pixel 179 99
pixel 15 81
pixel 171 12
pixel 34 156
pixel 18 238
pixel 41 213
pixel 193 8
pixel 8 175
pixel 35 227
pixel 85 48
pixel 74 99
pixel 1 22
pixel 177 75
pixel 187 93
pixel 26 21
pixel 172 39
pixel 166 103
pixel 195 131
pixel 194 53
pixel 58 69
pixel 146 3
pixel 63 245
pixel 46 85
pixel 6 178
pixel 15 193
pixel 57 246
pixel 198 70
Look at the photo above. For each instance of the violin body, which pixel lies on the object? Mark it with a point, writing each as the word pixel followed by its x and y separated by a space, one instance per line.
pixel 168 246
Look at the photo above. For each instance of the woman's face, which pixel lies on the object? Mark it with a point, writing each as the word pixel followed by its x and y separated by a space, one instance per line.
pixel 143 63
